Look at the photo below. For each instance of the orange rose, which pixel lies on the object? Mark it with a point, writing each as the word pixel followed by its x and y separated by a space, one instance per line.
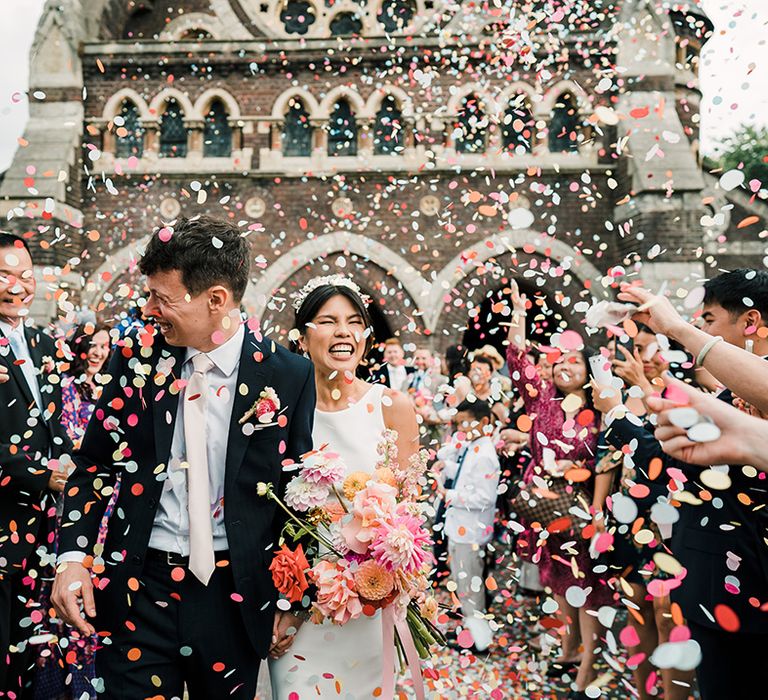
pixel 288 573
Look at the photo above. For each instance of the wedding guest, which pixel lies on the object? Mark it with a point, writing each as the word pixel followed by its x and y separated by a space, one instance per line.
pixel 486 386
pixel 571 435
pixel 650 606
pixel 425 388
pixel 34 453
pixel 712 550
pixel 454 362
pixel 393 373
pixel 471 479
pixel 68 669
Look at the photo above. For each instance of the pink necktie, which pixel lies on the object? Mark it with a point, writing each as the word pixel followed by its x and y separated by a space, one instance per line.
pixel 201 558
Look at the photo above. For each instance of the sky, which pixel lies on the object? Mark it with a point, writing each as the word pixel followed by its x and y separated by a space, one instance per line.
pixel 734 70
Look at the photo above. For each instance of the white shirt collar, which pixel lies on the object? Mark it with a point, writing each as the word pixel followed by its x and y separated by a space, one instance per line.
pixel 226 356
pixel 8 329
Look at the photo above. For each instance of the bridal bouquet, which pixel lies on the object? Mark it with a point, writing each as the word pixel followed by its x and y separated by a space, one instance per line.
pixel 371 546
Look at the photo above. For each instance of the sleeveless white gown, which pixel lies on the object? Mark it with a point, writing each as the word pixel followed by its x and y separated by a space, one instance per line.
pixel 328 660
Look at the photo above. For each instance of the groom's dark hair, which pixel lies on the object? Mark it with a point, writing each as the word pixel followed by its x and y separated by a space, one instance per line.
pixel 206 251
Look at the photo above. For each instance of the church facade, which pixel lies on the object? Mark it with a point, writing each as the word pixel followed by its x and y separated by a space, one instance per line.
pixel 431 150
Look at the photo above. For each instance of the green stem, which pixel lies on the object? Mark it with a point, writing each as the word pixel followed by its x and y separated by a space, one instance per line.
pixel 304 526
pixel 339 498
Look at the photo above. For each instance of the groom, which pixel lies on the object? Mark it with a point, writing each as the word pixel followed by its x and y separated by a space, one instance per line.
pixel 199 410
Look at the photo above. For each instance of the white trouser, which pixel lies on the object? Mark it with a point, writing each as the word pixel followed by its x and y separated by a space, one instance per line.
pixel 467 562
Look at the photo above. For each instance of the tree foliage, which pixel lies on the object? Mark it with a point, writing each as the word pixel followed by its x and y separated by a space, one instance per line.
pixel 748 145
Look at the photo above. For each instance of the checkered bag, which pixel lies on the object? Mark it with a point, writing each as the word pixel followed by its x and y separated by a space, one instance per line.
pixel 544 500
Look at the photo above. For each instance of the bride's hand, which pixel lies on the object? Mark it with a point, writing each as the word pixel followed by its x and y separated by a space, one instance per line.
pixel 283 632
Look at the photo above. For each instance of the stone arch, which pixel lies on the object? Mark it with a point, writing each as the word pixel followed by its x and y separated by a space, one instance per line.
pixel 516 88
pixel 549 100
pixel 500 244
pixel 115 102
pixel 347 7
pixel 280 106
pixel 276 26
pixel 194 20
pixel 402 98
pixel 457 98
pixel 203 103
pixel 359 108
pixel 159 101
pixel 295 259
pixel 116 265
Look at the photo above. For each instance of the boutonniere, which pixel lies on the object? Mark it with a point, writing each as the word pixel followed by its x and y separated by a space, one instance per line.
pixel 47 364
pixel 264 408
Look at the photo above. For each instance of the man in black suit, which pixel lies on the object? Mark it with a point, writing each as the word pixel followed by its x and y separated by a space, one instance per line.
pixel 393 373
pixel 34 450
pixel 196 416
pixel 719 539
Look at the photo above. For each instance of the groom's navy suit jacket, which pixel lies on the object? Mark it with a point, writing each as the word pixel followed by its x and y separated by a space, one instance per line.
pixel 130 436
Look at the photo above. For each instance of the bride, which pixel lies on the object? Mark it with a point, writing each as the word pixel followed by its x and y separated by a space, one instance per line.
pixel 351 416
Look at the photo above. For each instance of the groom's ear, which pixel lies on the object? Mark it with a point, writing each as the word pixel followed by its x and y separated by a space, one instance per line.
pixel 218 297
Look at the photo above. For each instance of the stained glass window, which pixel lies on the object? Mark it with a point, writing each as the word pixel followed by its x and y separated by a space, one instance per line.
pixel 173 133
pixel 217 136
pixel 388 131
pixel 564 125
pixel 346 24
pixel 517 128
pixel 297 132
pixel 297 16
pixel 130 136
pixel 470 127
pixel 396 14
pixel 342 131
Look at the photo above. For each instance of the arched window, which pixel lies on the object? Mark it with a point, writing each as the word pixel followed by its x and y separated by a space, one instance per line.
pixel 388 131
pixel 297 132
pixel 173 133
pixel 217 136
pixel 342 130
pixel 517 127
pixel 297 16
pixel 470 127
pixel 346 24
pixel 196 34
pixel 395 15
pixel 564 125
pixel 129 133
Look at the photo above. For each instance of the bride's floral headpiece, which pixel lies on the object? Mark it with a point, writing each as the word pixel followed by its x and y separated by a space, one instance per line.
pixel 329 280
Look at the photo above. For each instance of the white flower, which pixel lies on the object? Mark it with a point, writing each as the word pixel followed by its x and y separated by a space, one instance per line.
pixel 323 469
pixel 301 495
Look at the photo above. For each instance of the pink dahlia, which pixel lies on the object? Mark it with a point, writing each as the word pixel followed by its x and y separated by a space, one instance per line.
pixel 301 495
pixel 336 598
pixel 323 468
pixel 401 544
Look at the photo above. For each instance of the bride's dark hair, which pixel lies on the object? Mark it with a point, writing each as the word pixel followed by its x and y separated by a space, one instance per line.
pixel 315 300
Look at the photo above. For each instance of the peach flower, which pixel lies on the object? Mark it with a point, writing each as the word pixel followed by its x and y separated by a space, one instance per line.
pixel 336 597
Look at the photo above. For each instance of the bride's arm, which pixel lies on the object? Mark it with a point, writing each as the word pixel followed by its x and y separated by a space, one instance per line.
pixel 400 415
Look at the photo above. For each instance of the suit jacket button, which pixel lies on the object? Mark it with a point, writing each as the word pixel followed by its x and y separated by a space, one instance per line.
pixel 136 559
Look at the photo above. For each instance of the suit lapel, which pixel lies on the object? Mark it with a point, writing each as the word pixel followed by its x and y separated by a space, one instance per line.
pixel 9 359
pixel 253 374
pixel 165 404
pixel 37 352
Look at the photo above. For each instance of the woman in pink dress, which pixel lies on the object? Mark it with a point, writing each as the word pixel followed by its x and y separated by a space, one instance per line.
pixel 563 421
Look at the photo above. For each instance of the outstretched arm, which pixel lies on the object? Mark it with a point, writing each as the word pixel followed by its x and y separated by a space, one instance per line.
pixel 745 374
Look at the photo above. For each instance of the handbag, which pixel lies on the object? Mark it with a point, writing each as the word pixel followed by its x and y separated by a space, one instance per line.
pixel 545 500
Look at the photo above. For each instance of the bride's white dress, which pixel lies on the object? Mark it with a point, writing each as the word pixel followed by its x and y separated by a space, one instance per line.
pixel 328 660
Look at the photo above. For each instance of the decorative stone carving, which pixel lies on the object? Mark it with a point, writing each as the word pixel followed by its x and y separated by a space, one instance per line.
pixel 429 205
pixel 169 208
pixel 255 207
pixel 342 206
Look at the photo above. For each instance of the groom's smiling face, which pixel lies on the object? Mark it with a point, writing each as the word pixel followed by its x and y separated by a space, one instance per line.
pixel 183 319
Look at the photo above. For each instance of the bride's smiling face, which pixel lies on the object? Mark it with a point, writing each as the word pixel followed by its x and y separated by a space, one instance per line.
pixel 335 338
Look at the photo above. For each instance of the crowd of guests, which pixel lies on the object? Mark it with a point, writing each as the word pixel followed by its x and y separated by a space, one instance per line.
pixel 609 486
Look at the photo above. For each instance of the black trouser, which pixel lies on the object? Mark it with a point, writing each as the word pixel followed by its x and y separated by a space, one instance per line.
pixel 180 632
pixel 15 671
pixel 732 665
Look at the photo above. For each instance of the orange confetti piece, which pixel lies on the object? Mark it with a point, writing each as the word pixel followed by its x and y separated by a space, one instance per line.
pixel 578 474
pixel 134 654
pixel 490 584
pixel 524 423
pixel 100 65
pixel 748 221
pixel 654 468
pixel 727 618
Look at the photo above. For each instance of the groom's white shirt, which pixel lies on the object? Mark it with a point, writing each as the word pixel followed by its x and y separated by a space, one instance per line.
pixel 170 531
